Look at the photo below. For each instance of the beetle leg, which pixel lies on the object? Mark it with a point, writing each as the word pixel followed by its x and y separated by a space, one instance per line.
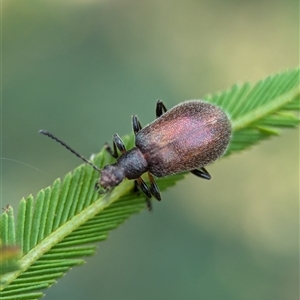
pixel 143 186
pixel 97 187
pixel 153 187
pixel 119 143
pixel 201 173
pixel 160 108
pixel 136 125
pixel 113 152
pixel 149 204
pixel 136 187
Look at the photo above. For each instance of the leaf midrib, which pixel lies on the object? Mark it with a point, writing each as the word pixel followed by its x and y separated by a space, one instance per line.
pixel 264 110
pixel 55 237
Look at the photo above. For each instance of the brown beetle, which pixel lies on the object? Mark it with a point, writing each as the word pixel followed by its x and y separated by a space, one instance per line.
pixel 188 137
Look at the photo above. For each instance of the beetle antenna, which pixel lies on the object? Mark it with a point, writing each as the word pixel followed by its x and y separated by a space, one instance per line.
pixel 50 135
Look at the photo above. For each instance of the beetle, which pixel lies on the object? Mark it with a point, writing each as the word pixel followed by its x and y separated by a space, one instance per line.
pixel 185 138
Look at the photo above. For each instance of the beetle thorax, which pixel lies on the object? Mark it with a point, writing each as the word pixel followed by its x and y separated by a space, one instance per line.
pixel 133 163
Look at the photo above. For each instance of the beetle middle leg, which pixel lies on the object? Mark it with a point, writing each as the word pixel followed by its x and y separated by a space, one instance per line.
pixel 160 110
pixel 136 125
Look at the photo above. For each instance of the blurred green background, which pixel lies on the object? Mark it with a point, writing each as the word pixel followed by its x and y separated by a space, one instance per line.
pixel 81 68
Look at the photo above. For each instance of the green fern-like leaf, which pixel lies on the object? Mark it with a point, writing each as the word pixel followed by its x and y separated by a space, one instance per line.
pixel 257 111
pixel 60 226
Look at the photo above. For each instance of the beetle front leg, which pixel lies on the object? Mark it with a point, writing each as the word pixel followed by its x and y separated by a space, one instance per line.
pixel 117 144
pixel 113 152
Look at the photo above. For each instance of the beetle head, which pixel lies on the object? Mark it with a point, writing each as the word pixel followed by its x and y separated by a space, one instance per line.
pixel 111 176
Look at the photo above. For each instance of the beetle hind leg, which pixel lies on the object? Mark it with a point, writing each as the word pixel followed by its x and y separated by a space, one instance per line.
pixel 202 173
pixel 160 108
